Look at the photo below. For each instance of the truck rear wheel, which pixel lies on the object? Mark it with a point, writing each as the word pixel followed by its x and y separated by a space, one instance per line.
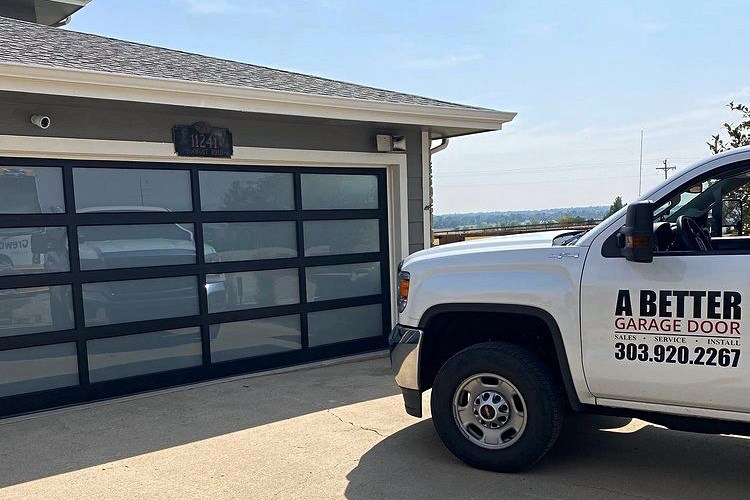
pixel 496 407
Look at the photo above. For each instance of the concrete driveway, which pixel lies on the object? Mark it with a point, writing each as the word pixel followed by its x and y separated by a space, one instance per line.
pixel 332 432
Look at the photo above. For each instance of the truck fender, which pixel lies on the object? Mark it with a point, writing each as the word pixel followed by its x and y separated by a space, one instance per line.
pixel 548 319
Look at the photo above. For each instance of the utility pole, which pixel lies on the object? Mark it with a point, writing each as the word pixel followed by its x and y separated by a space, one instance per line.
pixel 666 168
pixel 640 167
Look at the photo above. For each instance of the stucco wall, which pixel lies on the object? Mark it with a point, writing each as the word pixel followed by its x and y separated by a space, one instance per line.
pixel 98 119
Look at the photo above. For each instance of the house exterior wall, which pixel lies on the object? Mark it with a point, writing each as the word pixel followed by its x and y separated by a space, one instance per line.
pixel 18 10
pixel 112 120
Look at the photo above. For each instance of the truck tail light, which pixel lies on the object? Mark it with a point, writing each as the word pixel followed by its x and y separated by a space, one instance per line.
pixel 403 290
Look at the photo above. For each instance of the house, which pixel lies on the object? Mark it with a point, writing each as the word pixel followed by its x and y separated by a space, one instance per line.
pixel 168 217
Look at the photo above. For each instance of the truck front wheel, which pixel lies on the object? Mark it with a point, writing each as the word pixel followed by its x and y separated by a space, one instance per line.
pixel 496 407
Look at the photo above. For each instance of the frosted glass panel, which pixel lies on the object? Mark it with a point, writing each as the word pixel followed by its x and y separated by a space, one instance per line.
pixel 253 289
pixel 245 339
pixel 336 191
pixel 131 355
pixel 33 250
pixel 342 281
pixel 139 300
pixel 339 325
pixel 122 246
pixel 336 237
pixel 31 190
pixel 132 190
pixel 222 190
pixel 35 310
pixel 233 241
pixel 38 368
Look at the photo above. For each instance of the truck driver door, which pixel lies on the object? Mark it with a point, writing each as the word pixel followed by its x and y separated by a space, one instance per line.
pixel 671 331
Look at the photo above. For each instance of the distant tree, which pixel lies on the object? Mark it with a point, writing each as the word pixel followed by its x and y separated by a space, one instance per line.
pixel 737 136
pixel 615 206
pixel 569 219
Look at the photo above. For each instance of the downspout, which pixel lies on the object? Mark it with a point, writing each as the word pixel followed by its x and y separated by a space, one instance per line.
pixel 443 144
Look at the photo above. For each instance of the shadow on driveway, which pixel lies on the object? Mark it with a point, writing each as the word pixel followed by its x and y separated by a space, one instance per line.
pixel 59 442
pixel 587 462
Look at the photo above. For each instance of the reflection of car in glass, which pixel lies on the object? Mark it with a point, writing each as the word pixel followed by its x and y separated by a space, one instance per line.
pixel 18 190
pixel 338 281
pixel 19 193
pixel 142 245
pixel 15 248
pixel 29 250
pixel 114 247
pixel 35 309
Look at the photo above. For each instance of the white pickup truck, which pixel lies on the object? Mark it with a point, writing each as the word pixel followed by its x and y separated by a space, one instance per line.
pixel 641 316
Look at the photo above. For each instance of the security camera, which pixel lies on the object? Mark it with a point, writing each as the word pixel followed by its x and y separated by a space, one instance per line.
pixel 41 121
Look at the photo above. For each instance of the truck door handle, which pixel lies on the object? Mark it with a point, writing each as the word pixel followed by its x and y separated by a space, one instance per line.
pixel 563 254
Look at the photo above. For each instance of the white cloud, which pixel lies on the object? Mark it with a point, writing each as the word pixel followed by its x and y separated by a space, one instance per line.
pixel 445 61
pixel 654 27
pixel 537 29
pixel 210 6
pixel 255 7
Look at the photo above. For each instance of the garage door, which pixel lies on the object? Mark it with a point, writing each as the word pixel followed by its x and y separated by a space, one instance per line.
pixel 119 278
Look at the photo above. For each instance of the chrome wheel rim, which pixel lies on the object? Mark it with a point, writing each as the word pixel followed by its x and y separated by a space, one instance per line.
pixel 490 411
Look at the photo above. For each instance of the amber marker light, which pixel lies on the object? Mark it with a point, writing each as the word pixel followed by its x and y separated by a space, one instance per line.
pixel 403 290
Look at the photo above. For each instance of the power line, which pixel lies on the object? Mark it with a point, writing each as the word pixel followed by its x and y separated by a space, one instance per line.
pixel 552 168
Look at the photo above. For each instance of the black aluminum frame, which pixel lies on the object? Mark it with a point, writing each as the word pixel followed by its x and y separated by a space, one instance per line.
pixel 80 334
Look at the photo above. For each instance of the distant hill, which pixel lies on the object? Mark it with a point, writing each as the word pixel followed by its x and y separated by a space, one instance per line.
pixel 517 217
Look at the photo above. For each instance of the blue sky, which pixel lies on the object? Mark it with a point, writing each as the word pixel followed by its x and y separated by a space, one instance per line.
pixel 585 77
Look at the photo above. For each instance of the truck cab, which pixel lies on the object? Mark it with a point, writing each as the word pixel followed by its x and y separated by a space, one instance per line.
pixel 641 316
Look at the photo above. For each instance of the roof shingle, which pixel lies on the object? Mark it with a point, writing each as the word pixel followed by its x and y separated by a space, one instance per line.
pixel 28 43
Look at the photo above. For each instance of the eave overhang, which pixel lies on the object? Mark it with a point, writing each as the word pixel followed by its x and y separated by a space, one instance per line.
pixel 440 121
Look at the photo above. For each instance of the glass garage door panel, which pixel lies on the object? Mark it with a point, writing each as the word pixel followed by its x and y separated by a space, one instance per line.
pixel 342 281
pixel 144 353
pixel 121 287
pixel 339 325
pixel 39 309
pixel 40 368
pixel 251 191
pixel 252 290
pixel 338 237
pixel 139 300
pixel 145 245
pixel 131 190
pixel 33 250
pixel 236 241
pixel 31 190
pixel 256 337
pixel 339 192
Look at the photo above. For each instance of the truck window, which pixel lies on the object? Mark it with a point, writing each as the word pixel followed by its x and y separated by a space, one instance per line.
pixel 719 206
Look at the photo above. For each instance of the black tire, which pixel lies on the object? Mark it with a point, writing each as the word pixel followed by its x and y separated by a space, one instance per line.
pixel 544 405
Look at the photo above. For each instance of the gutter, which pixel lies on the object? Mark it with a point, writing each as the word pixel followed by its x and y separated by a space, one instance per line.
pixel 37 79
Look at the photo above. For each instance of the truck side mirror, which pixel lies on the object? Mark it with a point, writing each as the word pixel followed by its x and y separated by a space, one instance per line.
pixel 636 237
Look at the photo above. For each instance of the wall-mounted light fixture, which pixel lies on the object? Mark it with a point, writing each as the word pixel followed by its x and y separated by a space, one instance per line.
pixel 391 143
